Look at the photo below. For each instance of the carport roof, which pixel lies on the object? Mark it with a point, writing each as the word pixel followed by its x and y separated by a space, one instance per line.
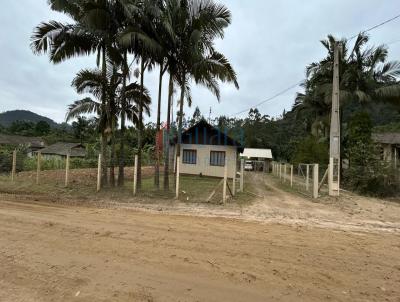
pixel 257 153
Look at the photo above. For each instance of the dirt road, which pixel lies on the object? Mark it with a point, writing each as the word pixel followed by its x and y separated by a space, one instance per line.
pixel 50 252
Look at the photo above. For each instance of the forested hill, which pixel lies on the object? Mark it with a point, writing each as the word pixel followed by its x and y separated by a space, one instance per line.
pixel 8 117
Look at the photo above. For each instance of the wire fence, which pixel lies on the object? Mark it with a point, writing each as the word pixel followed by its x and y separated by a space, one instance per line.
pixel 312 179
pixel 304 178
pixel 83 177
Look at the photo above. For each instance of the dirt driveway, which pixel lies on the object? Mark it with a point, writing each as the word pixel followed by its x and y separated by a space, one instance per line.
pixel 50 252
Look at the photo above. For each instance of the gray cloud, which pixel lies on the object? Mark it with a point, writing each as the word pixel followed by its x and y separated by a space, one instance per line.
pixel 269 44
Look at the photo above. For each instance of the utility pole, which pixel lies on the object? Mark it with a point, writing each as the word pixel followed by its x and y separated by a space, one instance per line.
pixel 334 146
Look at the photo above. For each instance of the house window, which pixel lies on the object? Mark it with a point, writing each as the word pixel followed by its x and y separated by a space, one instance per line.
pixel 217 158
pixel 189 156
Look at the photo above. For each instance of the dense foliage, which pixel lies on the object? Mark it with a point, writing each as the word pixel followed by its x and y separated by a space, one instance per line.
pixel 367 173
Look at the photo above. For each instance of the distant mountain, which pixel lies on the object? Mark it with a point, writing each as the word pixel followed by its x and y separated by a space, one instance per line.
pixel 8 117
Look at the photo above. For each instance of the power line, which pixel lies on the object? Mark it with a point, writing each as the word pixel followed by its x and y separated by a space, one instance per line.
pixel 376 26
pixel 270 98
pixel 393 42
pixel 298 83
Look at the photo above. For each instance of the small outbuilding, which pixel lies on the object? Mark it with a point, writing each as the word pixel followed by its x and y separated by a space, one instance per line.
pixel 204 149
pixel 61 150
pixel 390 146
pixel 259 159
pixel 32 144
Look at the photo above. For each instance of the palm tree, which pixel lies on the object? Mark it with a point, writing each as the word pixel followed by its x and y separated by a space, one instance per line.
pixel 121 102
pixel 94 29
pixel 190 28
pixel 63 41
pixel 139 35
pixel 197 57
pixel 165 38
pixel 365 75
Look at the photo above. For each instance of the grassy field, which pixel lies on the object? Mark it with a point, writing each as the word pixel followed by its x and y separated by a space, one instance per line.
pixel 193 189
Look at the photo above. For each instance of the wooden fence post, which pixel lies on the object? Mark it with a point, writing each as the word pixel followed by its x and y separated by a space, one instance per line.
pixel 67 170
pixel 225 181
pixel 14 165
pixel 241 174
pixel 308 177
pixel 39 159
pixel 99 164
pixel 291 176
pixel 135 172
pixel 315 180
pixel 280 171
pixel 178 164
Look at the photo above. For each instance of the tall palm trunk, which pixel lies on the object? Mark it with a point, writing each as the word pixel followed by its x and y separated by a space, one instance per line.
pixel 158 127
pixel 121 172
pixel 103 149
pixel 178 152
pixel 166 163
pixel 140 126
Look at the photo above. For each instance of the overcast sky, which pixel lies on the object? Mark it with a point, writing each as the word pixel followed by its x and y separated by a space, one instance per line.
pixel 269 44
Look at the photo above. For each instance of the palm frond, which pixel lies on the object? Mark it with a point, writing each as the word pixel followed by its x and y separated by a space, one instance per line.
pixel 89 81
pixel 81 107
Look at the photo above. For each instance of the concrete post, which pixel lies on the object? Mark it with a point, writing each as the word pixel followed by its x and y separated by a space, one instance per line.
pixel 334 144
pixel 234 181
pixel 315 180
pixel 225 181
pixel 308 177
pixel 39 159
pixel 135 173
pixel 291 176
pixel 67 170
pixel 241 174
pixel 178 164
pixel 99 173
pixel 14 165
pixel 284 173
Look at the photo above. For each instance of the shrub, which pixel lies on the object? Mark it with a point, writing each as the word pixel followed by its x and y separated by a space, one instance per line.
pixel 311 150
pixel 367 173
pixel 5 161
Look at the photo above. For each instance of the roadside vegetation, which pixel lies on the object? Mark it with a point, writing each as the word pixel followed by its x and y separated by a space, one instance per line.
pixel 177 39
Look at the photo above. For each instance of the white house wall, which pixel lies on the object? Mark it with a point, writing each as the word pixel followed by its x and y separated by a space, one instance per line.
pixel 203 160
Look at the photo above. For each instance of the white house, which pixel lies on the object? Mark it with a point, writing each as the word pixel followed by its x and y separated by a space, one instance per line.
pixel 204 149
